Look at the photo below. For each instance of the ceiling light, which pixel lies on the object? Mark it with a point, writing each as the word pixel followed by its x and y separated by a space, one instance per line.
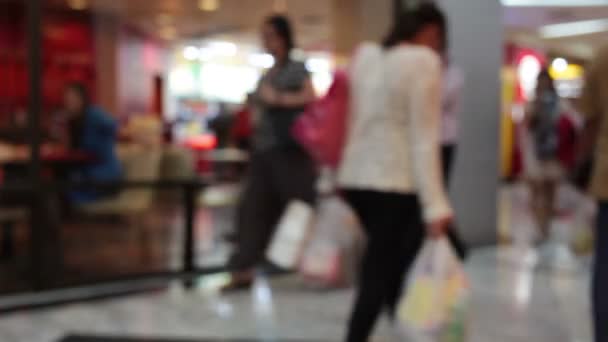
pixel 78 5
pixel 315 65
pixel 208 5
pixel 527 73
pixel 191 53
pixel 554 3
pixel 205 54
pixel 575 28
pixel 560 64
pixel 226 49
pixel 261 60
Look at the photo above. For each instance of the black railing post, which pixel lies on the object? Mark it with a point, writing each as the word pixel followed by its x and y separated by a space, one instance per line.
pixel 34 48
pixel 189 192
pixel 34 29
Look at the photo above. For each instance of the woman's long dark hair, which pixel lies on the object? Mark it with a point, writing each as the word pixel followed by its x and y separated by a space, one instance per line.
pixel 540 104
pixel 283 28
pixel 412 21
pixel 544 73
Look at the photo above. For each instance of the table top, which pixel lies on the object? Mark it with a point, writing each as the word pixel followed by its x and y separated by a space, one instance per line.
pixel 19 154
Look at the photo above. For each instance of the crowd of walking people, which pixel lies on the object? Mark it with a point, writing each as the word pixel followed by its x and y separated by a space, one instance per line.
pixel 401 140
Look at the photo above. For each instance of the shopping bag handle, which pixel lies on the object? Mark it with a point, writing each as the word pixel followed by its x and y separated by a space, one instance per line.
pixel 435 252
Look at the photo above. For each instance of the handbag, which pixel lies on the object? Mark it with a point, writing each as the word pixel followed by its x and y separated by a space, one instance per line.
pixel 321 128
pixel 332 256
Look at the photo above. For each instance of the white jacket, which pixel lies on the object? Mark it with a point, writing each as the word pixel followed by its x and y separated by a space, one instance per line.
pixel 453 82
pixel 393 139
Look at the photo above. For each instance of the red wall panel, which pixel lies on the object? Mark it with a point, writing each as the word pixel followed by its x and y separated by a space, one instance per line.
pixel 140 62
pixel 68 55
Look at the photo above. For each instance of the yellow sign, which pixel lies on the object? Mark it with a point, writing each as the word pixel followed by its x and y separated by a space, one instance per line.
pixel 572 72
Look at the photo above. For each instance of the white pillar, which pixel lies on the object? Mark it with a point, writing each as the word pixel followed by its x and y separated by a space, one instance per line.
pixel 476 32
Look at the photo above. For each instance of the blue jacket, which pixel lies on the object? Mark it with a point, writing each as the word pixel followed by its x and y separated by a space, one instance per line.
pixel 99 133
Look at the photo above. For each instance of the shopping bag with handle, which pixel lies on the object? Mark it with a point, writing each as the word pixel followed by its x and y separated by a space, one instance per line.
pixel 332 254
pixel 288 241
pixel 434 306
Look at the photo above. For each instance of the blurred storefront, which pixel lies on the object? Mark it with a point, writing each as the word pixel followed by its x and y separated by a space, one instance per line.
pixel 166 72
pixel 202 85
pixel 521 67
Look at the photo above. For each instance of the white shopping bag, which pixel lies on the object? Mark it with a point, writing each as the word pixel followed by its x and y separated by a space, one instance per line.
pixel 583 236
pixel 435 302
pixel 332 255
pixel 286 246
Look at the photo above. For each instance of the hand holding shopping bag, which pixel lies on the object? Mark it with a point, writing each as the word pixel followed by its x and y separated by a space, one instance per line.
pixel 435 302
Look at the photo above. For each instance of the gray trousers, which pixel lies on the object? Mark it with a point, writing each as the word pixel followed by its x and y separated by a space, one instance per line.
pixel 276 177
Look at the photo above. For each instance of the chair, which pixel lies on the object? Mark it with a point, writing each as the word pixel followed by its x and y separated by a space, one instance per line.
pixel 140 163
pixel 177 164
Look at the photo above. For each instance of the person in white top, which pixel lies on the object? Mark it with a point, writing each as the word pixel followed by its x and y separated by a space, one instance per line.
pixel 391 169
pixel 453 82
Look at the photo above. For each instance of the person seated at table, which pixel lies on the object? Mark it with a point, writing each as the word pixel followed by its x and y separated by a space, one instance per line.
pixel 93 131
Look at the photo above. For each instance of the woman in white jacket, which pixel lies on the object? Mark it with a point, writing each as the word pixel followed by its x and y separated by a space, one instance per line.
pixel 391 171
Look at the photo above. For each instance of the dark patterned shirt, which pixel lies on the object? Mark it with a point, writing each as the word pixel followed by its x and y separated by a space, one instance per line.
pixel 274 125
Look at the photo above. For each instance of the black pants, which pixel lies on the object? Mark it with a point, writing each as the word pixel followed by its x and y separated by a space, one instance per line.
pixel 275 178
pixel 600 276
pixel 395 232
pixel 448 152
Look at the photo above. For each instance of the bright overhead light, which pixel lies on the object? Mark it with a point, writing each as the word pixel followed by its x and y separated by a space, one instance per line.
pixel 191 53
pixel 78 5
pixel 318 65
pixel 554 3
pixel 560 64
pixel 226 49
pixel 208 5
pixel 206 54
pixel 261 60
pixel 299 55
pixel 527 74
pixel 575 28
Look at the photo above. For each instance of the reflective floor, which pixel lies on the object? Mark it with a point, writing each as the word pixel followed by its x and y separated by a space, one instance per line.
pixel 520 293
pixel 512 301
